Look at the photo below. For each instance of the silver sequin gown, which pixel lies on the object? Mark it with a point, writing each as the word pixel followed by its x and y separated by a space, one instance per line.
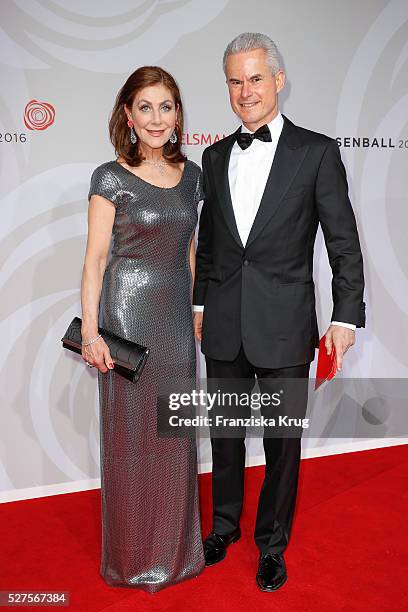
pixel 150 515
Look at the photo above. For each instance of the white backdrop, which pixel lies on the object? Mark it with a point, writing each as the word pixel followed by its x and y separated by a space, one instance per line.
pixel 62 64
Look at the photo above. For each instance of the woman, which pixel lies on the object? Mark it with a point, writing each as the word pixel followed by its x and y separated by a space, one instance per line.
pixel 147 199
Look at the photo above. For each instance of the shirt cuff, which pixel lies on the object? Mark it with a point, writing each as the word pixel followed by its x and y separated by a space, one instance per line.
pixel 348 325
pixel 197 308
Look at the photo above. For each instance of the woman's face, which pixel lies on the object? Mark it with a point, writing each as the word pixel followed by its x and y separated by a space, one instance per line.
pixel 154 115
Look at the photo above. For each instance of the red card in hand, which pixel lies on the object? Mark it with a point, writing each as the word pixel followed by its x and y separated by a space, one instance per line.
pixel 326 364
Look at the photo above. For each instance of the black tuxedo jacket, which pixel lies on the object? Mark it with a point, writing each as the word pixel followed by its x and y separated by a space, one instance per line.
pixel 262 294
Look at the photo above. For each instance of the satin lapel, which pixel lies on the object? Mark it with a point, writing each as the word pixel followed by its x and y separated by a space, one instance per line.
pixel 288 158
pixel 220 166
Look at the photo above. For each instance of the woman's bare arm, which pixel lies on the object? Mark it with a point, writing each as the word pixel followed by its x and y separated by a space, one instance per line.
pixel 101 215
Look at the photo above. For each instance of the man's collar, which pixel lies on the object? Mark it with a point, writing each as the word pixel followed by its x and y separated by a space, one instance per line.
pixel 275 126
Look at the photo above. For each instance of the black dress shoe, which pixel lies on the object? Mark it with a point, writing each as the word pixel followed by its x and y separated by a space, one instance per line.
pixel 271 572
pixel 215 545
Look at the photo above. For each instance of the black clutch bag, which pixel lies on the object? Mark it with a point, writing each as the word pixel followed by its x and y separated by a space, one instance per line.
pixel 128 357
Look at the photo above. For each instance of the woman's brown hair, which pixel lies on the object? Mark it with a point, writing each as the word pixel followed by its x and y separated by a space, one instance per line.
pixel 119 132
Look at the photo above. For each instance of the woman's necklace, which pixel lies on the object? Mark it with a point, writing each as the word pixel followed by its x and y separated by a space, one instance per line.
pixel 159 164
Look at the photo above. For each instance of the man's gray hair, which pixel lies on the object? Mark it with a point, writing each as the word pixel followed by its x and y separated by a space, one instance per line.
pixel 248 41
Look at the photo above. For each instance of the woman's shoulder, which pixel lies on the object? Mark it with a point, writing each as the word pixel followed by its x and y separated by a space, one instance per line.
pixel 196 178
pixel 104 181
pixel 195 168
pixel 106 168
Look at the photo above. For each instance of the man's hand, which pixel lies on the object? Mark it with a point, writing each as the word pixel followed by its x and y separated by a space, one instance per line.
pixel 342 338
pixel 198 325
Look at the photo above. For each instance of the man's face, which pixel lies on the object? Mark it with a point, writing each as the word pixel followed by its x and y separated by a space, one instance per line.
pixel 253 89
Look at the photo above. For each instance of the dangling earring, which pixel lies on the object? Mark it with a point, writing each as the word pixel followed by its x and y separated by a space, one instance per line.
pixel 173 137
pixel 133 137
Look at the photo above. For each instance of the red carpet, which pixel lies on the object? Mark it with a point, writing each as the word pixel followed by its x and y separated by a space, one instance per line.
pixel 348 549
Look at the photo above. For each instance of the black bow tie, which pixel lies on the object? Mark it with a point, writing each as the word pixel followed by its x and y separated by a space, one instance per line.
pixel 245 139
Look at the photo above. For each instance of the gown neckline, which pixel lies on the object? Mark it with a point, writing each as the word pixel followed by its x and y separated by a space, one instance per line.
pixel 152 184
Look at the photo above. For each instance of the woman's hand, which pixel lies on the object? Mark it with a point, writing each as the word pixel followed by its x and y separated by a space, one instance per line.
pixel 98 355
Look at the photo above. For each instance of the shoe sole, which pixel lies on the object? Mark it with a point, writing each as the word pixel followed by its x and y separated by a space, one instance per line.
pixel 271 589
pixel 235 539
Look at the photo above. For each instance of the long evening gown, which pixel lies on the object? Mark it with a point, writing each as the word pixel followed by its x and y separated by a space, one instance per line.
pixel 149 493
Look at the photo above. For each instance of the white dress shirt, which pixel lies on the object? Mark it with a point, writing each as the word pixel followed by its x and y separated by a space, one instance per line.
pixel 248 173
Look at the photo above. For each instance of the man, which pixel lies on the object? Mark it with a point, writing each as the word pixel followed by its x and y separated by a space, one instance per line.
pixel 267 187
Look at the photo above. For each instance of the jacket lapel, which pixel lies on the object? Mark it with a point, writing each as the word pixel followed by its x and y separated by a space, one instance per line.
pixel 221 159
pixel 288 158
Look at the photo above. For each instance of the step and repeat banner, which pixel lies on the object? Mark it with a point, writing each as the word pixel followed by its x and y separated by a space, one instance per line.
pixel 62 64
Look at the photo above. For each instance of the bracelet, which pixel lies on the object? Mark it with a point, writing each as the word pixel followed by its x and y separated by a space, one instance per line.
pixel 92 341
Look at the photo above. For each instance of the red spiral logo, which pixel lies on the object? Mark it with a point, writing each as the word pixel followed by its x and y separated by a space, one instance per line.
pixel 38 115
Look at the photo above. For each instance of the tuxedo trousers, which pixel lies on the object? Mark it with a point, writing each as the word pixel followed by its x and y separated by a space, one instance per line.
pixel 276 503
